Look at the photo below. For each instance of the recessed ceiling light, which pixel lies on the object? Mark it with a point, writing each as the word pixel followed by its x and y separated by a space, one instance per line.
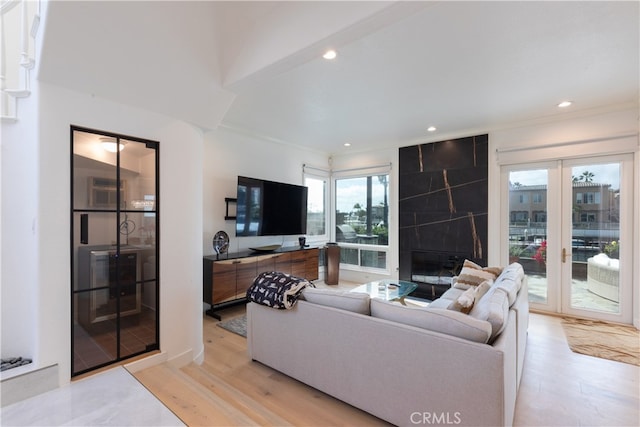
pixel 347 144
pixel 330 54
pixel 564 104
pixel 431 129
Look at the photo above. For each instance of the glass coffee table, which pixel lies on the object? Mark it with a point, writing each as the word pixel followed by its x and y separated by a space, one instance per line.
pixel 388 290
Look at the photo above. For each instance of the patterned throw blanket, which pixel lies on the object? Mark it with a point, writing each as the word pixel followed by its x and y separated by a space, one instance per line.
pixel 277 290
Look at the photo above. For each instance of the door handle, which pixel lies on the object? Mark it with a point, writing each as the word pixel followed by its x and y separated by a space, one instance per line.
pixel 84 229
pixel 565 254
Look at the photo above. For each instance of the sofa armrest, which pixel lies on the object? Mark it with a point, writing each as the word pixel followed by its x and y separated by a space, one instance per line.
pixel 507 343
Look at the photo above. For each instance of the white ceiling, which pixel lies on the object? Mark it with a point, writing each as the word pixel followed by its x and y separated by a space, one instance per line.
pixel 255 67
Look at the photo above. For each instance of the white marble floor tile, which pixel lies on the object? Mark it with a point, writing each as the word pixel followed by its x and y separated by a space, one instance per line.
pixel 110 398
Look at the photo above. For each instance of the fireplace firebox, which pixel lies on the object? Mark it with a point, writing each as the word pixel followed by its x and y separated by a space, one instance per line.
pixel 433 271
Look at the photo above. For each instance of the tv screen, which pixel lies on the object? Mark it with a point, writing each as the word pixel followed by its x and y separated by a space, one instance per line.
pixel 268 208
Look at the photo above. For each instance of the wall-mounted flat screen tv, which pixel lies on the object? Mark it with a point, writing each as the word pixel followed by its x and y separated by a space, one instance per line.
pixel 269 208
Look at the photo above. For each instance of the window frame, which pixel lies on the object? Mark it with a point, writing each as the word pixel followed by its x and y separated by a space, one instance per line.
pixel 323 175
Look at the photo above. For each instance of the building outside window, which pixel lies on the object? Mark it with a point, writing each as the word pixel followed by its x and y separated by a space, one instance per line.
pixel 540 216
pixel 588 198
pixel 587 217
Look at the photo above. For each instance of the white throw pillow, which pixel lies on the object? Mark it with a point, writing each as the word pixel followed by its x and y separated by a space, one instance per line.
pixel 510 280
pixel 466 301
pixel 494 308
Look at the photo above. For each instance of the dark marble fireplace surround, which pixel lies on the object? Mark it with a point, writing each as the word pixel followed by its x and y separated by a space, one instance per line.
pixel 442 210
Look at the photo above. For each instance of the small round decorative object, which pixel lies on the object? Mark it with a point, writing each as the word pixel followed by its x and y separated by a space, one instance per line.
pixel 127 227
pixel 220 242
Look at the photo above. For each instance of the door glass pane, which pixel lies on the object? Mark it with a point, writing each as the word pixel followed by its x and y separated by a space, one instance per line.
pixel 95 201
pixel 528 228
pixel 596 242
pixel 114 231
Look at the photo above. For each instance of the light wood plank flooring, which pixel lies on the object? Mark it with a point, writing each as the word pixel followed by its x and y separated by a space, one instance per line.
pixel 559 387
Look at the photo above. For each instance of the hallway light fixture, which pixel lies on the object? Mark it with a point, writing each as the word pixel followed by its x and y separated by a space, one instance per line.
pixel 143 204
pixel 110 144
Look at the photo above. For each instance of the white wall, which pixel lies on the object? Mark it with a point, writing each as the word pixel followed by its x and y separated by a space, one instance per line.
pixel 39 284
pixel 19 277
pixel 228 154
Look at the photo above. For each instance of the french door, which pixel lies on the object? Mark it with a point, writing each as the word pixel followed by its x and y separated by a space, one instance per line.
pixel 570 226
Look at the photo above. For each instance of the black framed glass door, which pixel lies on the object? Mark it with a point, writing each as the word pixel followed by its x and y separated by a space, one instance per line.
pixel 114 248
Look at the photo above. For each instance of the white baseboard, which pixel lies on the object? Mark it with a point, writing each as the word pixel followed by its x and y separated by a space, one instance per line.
pixel 147 362
pixel 156 359
pixel 182 359
pixel 28 384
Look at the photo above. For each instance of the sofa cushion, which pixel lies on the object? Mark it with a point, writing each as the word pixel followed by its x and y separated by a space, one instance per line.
pixel 473 275
pixel 452 294
pixel 351 301
pixel 510 280
pixel 466 301
pixel 434 319
pixel 494 308
pixel 444 303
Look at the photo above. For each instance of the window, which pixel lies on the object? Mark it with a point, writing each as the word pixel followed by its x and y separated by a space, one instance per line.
pixel 519 216
pixel 523 198
pixel 540 216
pixel 588 198
pixel 362 220
pixel 317 182
pixel 537 198
pixel 587 217
pixel 316 203
pixel 103 192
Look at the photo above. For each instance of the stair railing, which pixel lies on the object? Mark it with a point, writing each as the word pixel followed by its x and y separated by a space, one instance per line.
pixel 18 29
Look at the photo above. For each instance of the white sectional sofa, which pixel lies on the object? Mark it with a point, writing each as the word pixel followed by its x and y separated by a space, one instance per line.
pixel 603 276
pixel 405 365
